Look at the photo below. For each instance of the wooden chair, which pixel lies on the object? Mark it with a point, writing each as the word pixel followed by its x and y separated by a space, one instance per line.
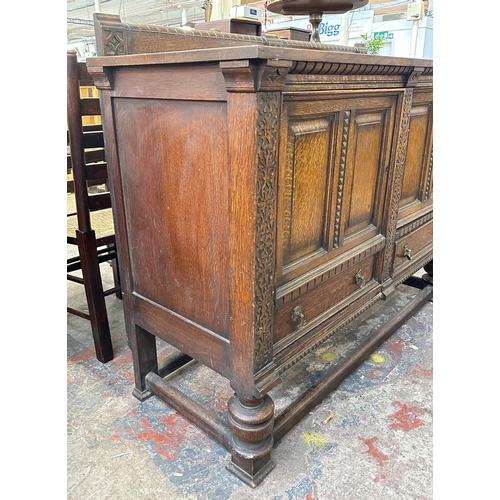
pixel 89 215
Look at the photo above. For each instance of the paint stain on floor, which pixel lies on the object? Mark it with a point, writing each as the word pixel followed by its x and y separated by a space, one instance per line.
pixel 407 417
pixel 328 356
pixel 314 439
pixel 372 450
pixel 377 358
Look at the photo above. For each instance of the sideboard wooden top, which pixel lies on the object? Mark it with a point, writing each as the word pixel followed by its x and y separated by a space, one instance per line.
pixel 262 52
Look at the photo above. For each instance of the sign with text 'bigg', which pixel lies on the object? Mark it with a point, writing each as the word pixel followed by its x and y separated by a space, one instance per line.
pixel 330 27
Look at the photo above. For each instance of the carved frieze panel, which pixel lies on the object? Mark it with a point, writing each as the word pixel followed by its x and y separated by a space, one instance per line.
pixel 402 145
pixel 341 178
pixel 428 183
pixel 265 244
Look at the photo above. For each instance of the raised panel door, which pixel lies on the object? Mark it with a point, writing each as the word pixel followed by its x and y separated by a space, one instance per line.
pixel 335 157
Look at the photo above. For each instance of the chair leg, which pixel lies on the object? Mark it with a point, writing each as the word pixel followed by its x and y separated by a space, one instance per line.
pixel 95 295
pixel 116 277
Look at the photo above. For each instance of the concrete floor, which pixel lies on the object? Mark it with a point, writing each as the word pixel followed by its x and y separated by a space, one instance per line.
pixel 371 439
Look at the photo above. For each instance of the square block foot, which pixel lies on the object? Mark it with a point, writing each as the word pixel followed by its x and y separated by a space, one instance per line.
pixel 141 395
pixel 255 480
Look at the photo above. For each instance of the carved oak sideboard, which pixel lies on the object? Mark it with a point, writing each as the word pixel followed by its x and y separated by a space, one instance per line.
pixel 265 195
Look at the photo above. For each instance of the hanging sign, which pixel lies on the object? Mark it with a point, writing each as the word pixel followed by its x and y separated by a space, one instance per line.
pixel 385 35
pixel 330 28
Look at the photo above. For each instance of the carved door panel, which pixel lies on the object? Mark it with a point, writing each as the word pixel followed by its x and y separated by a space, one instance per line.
pixel 416 190
pixel 306 190
pixel 334 162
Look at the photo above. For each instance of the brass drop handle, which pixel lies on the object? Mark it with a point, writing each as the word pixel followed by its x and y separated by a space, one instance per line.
pixel 360 279
pixel 297 314
pixel 407 252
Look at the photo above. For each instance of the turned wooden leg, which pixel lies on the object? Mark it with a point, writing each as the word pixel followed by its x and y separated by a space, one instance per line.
pixel 144 356
pixel 251 423
pixel 429 272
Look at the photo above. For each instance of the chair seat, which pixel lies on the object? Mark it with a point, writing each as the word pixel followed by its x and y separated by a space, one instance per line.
pixel 101 221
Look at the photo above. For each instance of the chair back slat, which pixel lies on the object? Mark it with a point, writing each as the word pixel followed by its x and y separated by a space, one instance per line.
pixel 97 171
pixel 93 139
pixel 92 127
pixel 95 156
pixel 90 106
pixel 99 201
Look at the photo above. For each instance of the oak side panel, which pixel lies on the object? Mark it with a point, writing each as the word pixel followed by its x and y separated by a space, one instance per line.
pixel 173 164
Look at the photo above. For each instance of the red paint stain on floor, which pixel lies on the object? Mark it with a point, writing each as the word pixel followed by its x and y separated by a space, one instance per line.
pixel 395 347
pixel 417 370
pixel 378 478
pixel 374 373
pixel 373 450
pixel 166 454
pixel 81 357
pixel 151 435
pixel 145 422
pixel 177 426
pixel 124 367
pixel 407 417
pixel 168 439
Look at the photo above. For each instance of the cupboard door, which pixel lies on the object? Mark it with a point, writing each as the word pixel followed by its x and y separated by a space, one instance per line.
pixel 416 190
pixel 335 157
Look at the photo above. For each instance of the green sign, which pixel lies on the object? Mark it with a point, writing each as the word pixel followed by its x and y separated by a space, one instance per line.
pixel 384 34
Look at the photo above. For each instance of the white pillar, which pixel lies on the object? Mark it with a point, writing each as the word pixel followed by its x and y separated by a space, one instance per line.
pixel 344 29
pixel 97 4
pixel 221 8
pixel 414 38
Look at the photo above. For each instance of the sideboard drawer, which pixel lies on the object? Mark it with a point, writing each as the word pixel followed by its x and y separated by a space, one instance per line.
pixel 408 247
pixel 305 307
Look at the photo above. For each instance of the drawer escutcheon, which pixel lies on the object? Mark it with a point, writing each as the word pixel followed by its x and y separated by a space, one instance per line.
pixel 407 252
pixel 297 314
pixel 360 279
